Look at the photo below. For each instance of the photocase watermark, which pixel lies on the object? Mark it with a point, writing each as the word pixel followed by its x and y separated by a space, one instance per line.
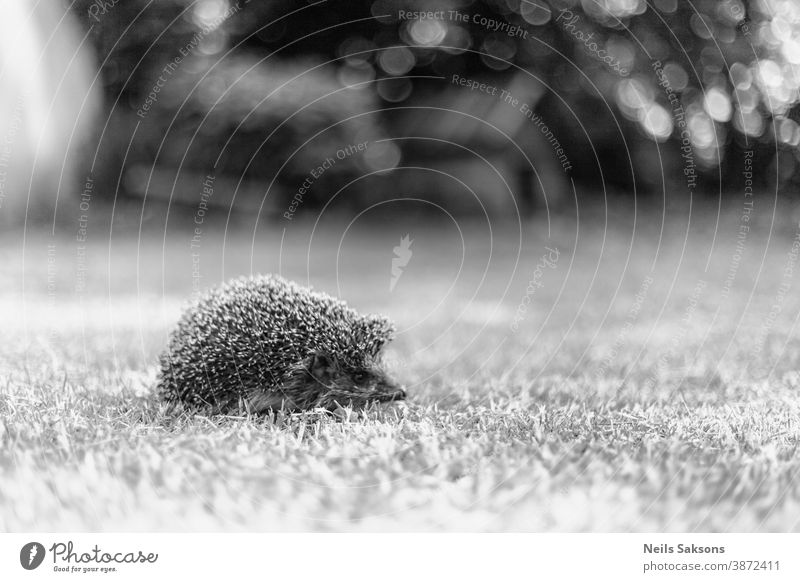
pixel 569 22
pixel 523 107
pixel 744 26
pixel 82 234
pixel 152 97
pixel 206 193
pixel 100 8
pixel 95 559
pixel 69 560
pixel 687 153
pixel 316 173
pixel 566 18
pixel 491 24
pixel 548 260
pixel 630 321
pixel 402 255
pixel 6 147
pixel 737 11
pixel 537 120
pixel 744 226
pixel 31 555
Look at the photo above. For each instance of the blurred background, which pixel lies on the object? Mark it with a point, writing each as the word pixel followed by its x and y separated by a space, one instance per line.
pixel 565 205
pixel 153 149
pixel 145 100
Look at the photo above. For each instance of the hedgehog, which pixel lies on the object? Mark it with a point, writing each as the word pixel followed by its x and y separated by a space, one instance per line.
pixel 263 343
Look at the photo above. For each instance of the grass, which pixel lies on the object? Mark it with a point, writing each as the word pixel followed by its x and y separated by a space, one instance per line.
pixel 595 415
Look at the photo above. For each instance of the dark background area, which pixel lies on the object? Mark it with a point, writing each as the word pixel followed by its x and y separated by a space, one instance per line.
pixel 495 108
pixel 266 91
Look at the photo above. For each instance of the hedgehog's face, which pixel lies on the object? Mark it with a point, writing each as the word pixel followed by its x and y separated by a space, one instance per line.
pixel 347 385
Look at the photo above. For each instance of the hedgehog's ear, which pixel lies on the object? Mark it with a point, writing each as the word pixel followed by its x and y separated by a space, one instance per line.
pixel 378 330
pixel 319 365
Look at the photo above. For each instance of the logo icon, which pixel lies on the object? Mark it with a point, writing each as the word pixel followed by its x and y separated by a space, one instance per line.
pixel 402 255
pixel 31 555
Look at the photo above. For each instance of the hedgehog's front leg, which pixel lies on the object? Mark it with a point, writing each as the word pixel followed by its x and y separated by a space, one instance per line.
pixel 260 401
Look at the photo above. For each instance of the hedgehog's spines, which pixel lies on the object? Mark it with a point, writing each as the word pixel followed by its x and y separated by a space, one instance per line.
pixel 247 342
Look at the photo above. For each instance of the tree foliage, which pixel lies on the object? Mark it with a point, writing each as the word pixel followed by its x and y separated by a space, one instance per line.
pixel 719 75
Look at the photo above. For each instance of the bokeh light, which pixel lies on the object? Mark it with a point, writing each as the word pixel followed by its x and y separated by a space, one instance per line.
pixel 381 156
pixel 633 95
pixel 207 13
pixel 717 104
pixel 787 131
pixel 397 60
pixel 676 76
pixel 536 12
pixel 742 67
pixel 748 122
pixel 427 32
pixel 701 128
pixel 604 10
pixel 702 25
pixel 668 6
pixel 457 40
pixel 741 76
pixel 657 122
pixel 357 50
pixel 394 90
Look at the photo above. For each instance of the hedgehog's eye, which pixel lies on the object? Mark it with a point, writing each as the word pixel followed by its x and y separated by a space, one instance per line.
pixel 359 377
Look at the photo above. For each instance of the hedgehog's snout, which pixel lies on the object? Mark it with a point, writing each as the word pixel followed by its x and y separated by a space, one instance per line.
pixel 398 394
pixel 387 389
pixel 391 392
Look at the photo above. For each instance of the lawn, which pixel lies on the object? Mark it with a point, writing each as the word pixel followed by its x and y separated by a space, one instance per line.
pixel 649 382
